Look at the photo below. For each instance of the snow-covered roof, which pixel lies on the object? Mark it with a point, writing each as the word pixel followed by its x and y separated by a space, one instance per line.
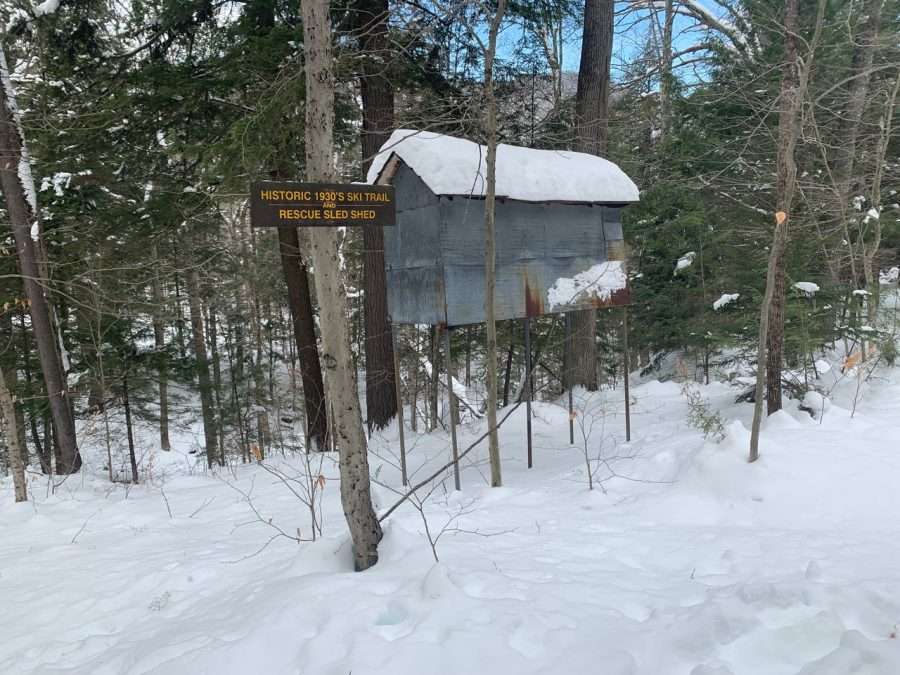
pixel 456 166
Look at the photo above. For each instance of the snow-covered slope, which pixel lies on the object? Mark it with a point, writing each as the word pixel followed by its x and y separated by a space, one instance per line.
pixel 690 562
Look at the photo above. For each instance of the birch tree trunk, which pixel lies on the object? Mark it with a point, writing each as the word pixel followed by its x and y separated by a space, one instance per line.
pixel 340 374
pixel 19 192
pixel 592 129
pixel 13 440
pixel 490 259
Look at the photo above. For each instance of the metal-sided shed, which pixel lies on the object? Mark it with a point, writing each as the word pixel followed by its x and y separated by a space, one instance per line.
pixel 558 230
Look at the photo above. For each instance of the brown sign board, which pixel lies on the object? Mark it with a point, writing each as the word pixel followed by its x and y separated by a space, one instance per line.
pixel 280 204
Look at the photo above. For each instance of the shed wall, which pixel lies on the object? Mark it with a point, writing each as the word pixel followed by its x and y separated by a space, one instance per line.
pixel 536 245
pixel 438 245
pixel 413 267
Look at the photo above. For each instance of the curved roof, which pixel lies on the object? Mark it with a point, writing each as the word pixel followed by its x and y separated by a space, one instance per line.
pixel 456 166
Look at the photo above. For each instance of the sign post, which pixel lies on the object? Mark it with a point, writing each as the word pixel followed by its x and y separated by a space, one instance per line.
pixel 281 204
pixel 289 205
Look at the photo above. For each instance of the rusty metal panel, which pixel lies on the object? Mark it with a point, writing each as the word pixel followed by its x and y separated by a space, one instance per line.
pixel 465 292
pixel 435 254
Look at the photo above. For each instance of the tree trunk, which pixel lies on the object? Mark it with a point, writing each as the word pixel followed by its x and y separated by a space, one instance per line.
pixel 40 449
pixel 21 205
pixel 206 394
pixel 377 96
pixel 159 342
pixel 508 372
pixel 297 278
pixel 865 44
pixel 591 134
pixel 490 347
pixel 434 378
pixel 666 77
pixel 870 251
pixel 213 333
pixel 340 374
pixel 775 334
pixel 129 428
pixel 179 318
pixel 13 439
pixel 8 337
pixel 414 378
pixel 793 85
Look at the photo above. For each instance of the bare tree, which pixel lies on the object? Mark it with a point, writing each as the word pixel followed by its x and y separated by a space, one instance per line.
pixel 490 194
pixel 340 371
pixel 794 78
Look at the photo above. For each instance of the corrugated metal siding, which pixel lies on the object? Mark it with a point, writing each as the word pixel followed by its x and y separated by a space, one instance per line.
pixel 438 245
pixel 413 254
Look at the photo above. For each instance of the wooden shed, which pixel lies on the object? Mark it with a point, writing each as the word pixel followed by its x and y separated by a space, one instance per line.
pixel 558 230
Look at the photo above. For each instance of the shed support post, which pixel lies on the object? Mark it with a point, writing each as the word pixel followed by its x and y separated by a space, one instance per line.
pixel 527 324
pixel 448 364
pixel 398 390
pixel 626 365
pixel 568 380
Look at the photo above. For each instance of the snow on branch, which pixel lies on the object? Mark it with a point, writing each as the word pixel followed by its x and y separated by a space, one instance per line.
pixel 707 17
pixel 46 7
pixel 24 168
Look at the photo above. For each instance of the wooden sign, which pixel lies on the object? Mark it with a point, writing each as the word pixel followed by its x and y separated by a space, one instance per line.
pixel 278 204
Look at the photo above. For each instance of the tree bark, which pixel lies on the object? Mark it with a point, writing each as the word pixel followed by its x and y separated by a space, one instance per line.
pixel 213 335
pixel 508 371
pixel 340 373
pixel 666 77
pixel 591 136
pixel 490 194
pixel 793 86
pixel 129 429
pixel 771 334
pixel 864 47
pixel 377 96
pixel 21 204
pixel 13 440
pixel 299 298
pixel 210 432
pixel 159 342
pixel 40 449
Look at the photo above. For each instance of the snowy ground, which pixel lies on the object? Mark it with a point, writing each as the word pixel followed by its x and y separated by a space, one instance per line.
pixel 692 563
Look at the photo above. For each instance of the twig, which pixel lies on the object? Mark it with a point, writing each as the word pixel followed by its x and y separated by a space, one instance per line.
pixel 446 466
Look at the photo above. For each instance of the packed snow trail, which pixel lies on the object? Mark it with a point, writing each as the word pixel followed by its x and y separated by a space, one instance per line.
pixel 693 563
